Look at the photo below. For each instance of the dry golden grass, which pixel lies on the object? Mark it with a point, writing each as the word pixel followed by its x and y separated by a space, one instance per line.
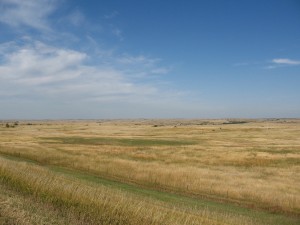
pixel 84 204
pixel 19 209
pixel 254 164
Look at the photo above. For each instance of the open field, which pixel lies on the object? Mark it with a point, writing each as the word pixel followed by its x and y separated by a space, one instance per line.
pixel 150 172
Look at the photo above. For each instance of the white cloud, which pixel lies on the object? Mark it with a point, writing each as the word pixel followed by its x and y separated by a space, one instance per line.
pixel 31 13
pixel 38 76
pixel 271 64
pixel 284 61
pixel 39 63
pixel 37 69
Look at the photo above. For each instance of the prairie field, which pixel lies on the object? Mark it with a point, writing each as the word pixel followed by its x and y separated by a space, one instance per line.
pixel 150 172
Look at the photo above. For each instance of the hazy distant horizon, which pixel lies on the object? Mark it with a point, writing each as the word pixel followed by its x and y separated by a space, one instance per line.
pixel 149 119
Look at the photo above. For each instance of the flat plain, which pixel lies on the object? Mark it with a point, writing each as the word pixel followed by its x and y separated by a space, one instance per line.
pixel 150 172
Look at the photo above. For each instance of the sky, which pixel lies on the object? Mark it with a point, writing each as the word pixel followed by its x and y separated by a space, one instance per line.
pixel 116 59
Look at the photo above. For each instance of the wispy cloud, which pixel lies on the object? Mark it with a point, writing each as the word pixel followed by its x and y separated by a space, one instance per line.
pixel 271 64
pixel 40 68
pixel 30 13
pixel 142 66
pixel 76 18
pixel 118 33
pixel 46 71
pixel 129 59
pixel 161 70
pixel 40 64
pixel 282 62
pixel 111 15
pixel 285 61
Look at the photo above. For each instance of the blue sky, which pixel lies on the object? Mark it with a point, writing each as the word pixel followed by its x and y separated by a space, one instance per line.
pixel 68 59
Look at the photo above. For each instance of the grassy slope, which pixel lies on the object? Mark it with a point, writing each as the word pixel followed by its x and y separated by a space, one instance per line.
pixel 16 208
pixel 172 199
pixel 97 204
